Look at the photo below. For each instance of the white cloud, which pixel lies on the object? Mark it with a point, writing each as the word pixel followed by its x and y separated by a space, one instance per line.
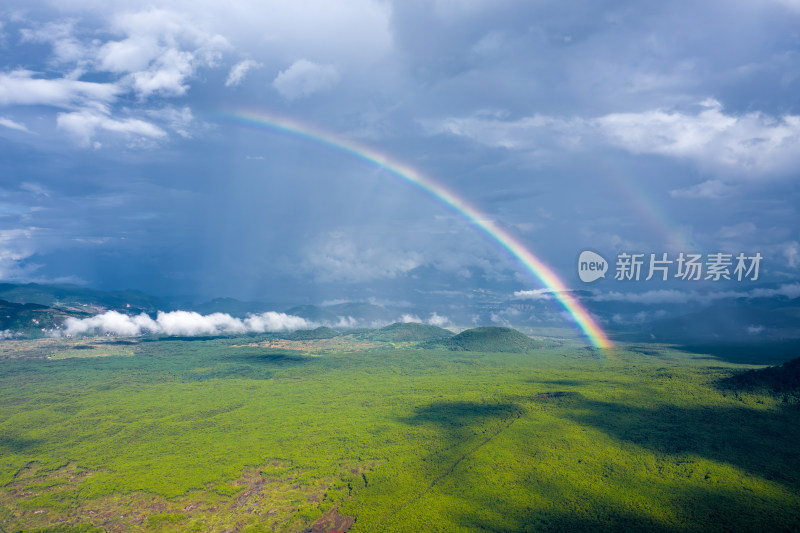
pixel 181 323
pixel 180 120
pixel 15 246
pixel 339 258
pixel 673 296
pixel 789 290
pixel 305 78
pixel 19 87
pixel 707 189
pixel 791 251
pixel 407 318
pixel 662 296
pixel 239 71
pixel 536 294
pixel 82 126
pixel 161 49
pixel 749 145
pixel 67 48
pixel 345 322
pixel 438 320
pixel 492 128
pixel 166 76
pixel 8 123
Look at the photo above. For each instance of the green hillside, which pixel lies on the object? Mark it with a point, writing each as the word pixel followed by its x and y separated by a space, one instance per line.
pixel 312 334
pixel 782 380
pixel 73 297
pixel 30 318
pixel 491 339
pixel 408 332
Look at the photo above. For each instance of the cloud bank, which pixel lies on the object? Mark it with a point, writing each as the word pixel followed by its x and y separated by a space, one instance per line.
pixel 673 296
pixel 181 323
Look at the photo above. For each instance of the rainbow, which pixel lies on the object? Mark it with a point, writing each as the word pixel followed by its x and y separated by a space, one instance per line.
pixel 530 262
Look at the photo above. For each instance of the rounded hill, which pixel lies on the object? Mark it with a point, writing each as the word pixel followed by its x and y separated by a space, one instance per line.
pixel 410 332
pixel 491 339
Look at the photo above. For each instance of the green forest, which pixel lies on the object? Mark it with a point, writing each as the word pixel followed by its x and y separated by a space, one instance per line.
pixel 390 431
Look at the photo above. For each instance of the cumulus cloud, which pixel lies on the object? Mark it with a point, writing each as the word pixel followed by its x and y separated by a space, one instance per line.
pixel 753 144
pixel 156 52
pixel 21 87
pixel 160 50
pixel 181 323
pixel 82 125
pixel 305 78
pixel 179 120
pixel 167 75
pixel 434 320
pixel 438 320
pixel 239 71
pixel 67 48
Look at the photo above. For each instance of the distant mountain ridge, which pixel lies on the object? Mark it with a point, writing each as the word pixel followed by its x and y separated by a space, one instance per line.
pixel 31 319
pixel 76 298
pixel 332 314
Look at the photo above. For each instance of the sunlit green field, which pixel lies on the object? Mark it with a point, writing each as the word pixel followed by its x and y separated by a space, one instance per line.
pixel 229 434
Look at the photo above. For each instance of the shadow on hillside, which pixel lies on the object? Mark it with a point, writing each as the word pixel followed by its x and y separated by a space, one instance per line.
pixel 16 444
pixel 194 338
pixel 753 353
pixel 564 382
pixel 763 443
pixel 457 414
pixel 711 509
pixel 269 358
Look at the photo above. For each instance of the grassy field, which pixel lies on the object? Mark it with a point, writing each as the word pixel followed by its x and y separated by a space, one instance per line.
pixel 257 434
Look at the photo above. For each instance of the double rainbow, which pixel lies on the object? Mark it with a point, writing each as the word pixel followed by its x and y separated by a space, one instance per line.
pixel 530 262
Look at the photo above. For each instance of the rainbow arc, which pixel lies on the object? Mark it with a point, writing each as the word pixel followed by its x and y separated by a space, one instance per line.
pixel 526 258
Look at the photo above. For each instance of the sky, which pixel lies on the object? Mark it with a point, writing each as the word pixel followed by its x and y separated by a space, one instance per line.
pixel 616 127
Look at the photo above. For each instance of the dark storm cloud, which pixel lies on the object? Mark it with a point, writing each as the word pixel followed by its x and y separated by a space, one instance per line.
pixel 605 125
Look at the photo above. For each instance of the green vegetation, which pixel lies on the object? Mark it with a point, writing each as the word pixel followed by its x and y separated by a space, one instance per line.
pixel 313 334
pixel 30 319
pixel 782 381
pixel 229 434
pixel 407 332
pixel 491 339
pixel 74 298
